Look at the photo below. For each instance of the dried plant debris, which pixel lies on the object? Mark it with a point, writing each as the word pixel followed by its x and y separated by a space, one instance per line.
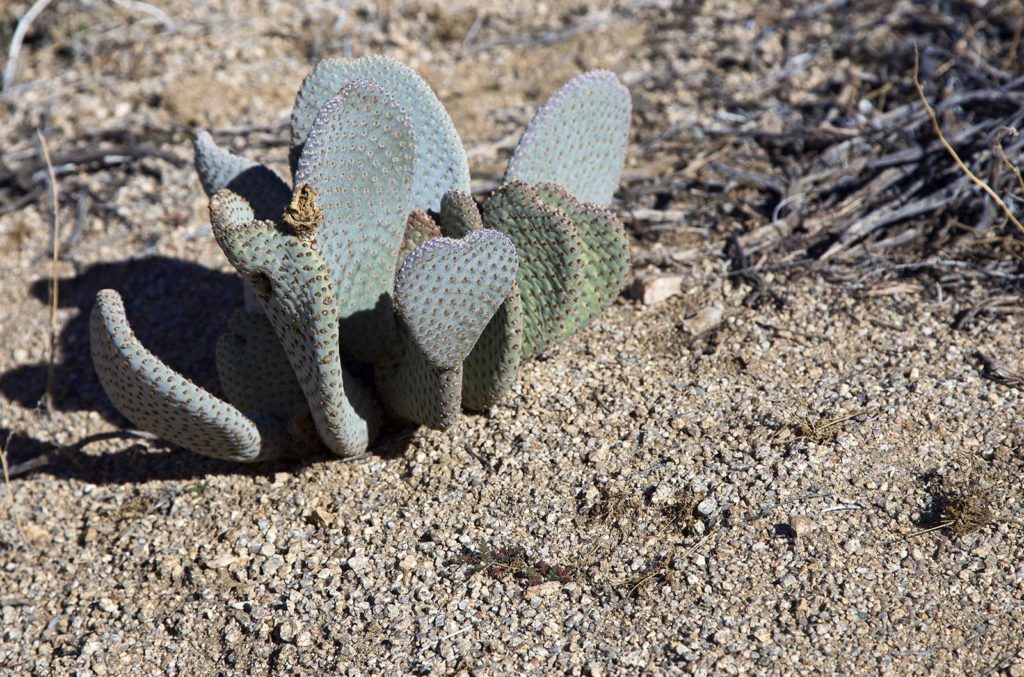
pixel 621 510
pixel 514 562
pixel 958 504
pixel 997 370
pixel 824 428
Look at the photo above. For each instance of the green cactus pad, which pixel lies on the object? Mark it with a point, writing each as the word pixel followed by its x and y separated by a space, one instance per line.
pixel 490 370
pixel 441 162
pixel 605 252
pixel 419 228
pixel 577 139
pixel 447 291
pixel 550 261
pixel 359 159
pixel 459 214
pixel 294 286
pixel 415 390
pixel 260 186
pixel 155 397
pixel 254 370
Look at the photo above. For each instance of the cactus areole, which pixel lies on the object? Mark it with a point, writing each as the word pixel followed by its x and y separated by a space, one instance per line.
pixel 380 256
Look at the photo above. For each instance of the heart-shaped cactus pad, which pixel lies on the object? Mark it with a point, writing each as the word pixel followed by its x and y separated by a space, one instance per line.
pixel 447 290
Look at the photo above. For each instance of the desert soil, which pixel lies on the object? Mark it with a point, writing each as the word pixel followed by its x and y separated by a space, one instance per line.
pixel 709 484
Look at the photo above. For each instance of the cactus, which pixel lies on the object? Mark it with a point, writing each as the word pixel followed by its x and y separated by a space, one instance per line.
pixel 377 289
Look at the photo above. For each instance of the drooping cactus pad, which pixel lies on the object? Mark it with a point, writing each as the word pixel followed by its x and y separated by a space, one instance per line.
pixel 376 287
pixel 441 163
pixel 294 286
pixel 260 186
pixel 577 139
pixel 155 397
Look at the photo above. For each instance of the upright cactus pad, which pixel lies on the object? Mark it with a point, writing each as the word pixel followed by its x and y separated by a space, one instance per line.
pixel 459 214
pixel 441 163
pixel 359 158
pixel 415 390
pixel 377 277
pixel 551 261
pixel 490 369
pixel 447 291
pixel 294 286
pixel 155 397
pixel 577 139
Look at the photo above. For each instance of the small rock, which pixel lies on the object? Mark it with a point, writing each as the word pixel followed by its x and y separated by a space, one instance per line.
pixel 708 318
pixel 543 589
pixel 304 639
pixel 708 506
pixel 272 565
pixel 653 290
pixel 321 518
pixel 801 525
pixel 107 605
pixel 358 564
pixel 408 563
pixel 663 493
pixel 851 545
pixel 288 630
pixel 222 561
pixel 20 355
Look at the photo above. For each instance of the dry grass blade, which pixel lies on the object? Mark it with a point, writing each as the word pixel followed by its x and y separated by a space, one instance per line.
pixel 54 273
pixel 10 495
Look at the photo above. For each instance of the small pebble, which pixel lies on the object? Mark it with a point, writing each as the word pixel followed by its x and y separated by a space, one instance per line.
pixel 801 525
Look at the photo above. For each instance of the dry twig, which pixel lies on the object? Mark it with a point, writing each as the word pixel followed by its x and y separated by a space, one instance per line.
pixel 24 23
pixel 956 158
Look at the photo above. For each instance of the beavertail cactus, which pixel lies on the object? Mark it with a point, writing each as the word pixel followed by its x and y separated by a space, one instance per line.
pixel 376 287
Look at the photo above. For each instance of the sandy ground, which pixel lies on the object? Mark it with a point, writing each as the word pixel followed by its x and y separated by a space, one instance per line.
pixel 696 486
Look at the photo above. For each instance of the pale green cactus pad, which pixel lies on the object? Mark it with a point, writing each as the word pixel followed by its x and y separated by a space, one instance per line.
pixel 551 261
pixel 359 157
pixel 447 291
pixel 577 139
pixel 294 285
pixel 155 397
pixel 605 252
pixel 441 163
